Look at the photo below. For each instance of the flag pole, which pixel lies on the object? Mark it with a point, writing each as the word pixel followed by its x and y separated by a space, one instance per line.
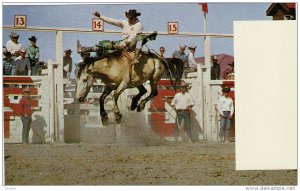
pixel 204 23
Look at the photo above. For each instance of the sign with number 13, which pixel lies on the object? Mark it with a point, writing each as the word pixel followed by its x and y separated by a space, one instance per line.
pixel 20 21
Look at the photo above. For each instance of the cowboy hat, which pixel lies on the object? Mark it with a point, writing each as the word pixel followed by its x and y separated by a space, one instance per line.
pixel 68 50
pixel 132 13
pixel 32 38
pixel 184 84
pixel 13 35
pixel 7 54
pixel 226 89
pixel 26 90
pixel 183 46
pixel 192 48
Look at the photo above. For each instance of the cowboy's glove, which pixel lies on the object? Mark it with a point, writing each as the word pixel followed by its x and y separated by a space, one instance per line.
pixel 97 14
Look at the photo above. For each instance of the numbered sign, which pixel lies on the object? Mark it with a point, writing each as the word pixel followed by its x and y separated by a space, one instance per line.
pixel 20 21
pixel 173 27
pixel 98 25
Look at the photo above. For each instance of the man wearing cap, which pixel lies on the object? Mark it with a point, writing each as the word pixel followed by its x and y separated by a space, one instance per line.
pixel 182 104
pixel 13 46
pixel 33 53
pixel 225 108
pixel 8 64
pixel 181 54
pixel 26 112
pixel 67 64
pixel 23 67
pixel 131 28
pixel 216 69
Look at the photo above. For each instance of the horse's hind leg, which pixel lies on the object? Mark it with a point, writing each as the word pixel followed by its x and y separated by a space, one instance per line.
pixel 103 113
pixel 153 93
pixel 135 99
pixel 159 70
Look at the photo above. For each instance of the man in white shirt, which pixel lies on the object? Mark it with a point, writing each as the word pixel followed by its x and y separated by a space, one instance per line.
pixel 13 46
pixel 225 109
pixel 182 104
pixel 192 63
pixel 130 29
pixel 67 64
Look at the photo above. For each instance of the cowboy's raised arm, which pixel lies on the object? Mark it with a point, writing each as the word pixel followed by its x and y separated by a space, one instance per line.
pixel 109 20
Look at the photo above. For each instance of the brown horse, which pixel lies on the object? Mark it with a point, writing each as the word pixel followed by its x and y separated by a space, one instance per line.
pixel 117 73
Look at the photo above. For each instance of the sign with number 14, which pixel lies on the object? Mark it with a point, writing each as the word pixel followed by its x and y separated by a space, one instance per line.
pixel 20 21
pixel 98 25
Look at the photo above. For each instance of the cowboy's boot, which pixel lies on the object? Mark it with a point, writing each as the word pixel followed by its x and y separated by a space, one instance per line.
pixel 136 56
pixel 81 49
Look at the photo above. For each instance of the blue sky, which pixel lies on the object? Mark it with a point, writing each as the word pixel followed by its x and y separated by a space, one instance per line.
pixel 154 17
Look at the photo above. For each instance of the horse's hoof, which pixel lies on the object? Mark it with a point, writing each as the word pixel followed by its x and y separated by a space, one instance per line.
pixel 118 118
pixel 119 121
pixel 104 120
pixel 140 108
pixel 133 106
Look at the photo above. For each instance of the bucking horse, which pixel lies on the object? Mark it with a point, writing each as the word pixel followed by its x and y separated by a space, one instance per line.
pixel 117 72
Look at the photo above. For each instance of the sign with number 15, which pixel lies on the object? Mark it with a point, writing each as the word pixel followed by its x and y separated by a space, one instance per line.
pixel 20 21
pixel 173 27
pixel 98 25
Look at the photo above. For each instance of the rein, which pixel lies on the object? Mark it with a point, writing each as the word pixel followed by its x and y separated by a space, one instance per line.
pixel 127 55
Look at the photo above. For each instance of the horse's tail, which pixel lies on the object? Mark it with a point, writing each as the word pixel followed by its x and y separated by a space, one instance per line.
pixel 168 72
pixel 175 70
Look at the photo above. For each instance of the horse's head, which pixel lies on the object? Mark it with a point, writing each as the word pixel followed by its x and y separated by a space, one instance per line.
pixel 84 81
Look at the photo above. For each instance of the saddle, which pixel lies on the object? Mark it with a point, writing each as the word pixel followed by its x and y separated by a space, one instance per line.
pixel 106 46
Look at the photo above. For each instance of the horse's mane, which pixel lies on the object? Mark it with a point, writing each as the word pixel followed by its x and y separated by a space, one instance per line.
pixel 115 55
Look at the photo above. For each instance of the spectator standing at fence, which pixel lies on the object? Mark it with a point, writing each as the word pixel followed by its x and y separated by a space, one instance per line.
pixel 162 52
pixel 231 74
pixel 216 69
pixel 8 64
pixel 26 112
pixel 225 109
pixel 67 64
pixel 33 53
pixel 181 54
pixel 182 104
pixel 13 46
pixel 191 58
pixel 23 67
pixel 4 51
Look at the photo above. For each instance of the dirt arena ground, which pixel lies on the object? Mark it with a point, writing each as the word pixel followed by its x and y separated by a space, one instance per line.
pixel 163 163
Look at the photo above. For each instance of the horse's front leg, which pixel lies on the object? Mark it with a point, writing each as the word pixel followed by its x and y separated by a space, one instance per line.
pixel 103 113
pixel 153 93
pixel 123 85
